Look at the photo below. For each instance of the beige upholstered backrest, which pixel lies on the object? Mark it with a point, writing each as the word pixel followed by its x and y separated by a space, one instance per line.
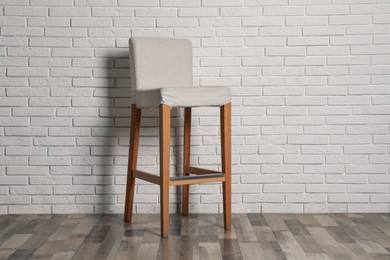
pixel 160 63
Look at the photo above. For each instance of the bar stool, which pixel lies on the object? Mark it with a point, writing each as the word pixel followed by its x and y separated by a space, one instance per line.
pixel 161 76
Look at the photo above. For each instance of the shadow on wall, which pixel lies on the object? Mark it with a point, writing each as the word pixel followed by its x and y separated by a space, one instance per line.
pixel 112 139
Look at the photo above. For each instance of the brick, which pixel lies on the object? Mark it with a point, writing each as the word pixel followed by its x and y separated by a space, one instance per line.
pixel 50 200
pixel 367 188
pixel 282 188
pixel 304 120
pixel 303 159
pixel 13 41
pixel 262 21
pixel 348 20
pixel 196 12
pixel 306 20
pixel 160 32
pixel 27 170
pixel 220 3
pixel 49 161
pixel 287 10
pixel 51 3
pixel 50 42
pixel 29 209
pixel 103 32
pixel 367 29
pixel 281 169
pixel 370 9
pixel 306 61
pixel 279 208
pixel 307 40
pixel 50 62
pixel 66 32
pixel 12 102
pixel 20 31
pixel 14 180
pixel 74 189
pixel 69 11
pixel 59 52
pixel 32 111
pixel 262 61
pixel 25 11
pixel 71 170
pixel 72 209
pixel 362 149
pixel 195 32
pixel 285 51
pixel 48 22
pixel 307 139
pixel 377 49
pixel 156 12
pixel 178 3
pixel 266 41
pixel 225 61
pixel 15 141
pixel 327 10
pixel 95 2
pixel 67 72
pixel 14 200
pixel 18 150
pixel 241 11
pixel 176 22
pixel 306 198
pixel 99 199
pixel 50 180
pixel 280 31
pixel 24 131
pixel 14 121
pixel 95 42
pixel 308 101
pixel 54 141
pixel 52 101
pixel 30 190
pixel 13 21
pixel 112 12
pixel 28 72
pixel 45 82
pixel 211 42
pixel 50 121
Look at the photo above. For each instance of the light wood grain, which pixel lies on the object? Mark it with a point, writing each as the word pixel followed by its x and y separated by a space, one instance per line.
pixel 226 152
pixel 165 139
pixel 132 161
pixel 186 157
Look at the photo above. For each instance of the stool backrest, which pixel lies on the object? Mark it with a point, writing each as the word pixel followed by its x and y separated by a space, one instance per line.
pixel 160 63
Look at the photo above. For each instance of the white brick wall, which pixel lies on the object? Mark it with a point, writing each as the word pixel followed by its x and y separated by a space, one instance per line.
pixel 311 110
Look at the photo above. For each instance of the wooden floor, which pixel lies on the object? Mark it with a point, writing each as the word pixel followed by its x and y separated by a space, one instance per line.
pixel 253 236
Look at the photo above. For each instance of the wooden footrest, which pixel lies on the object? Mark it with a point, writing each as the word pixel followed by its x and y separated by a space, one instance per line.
pixel 183 180
pixel 180 180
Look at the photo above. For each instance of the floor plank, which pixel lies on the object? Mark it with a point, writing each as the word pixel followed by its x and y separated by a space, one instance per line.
pixel 253 236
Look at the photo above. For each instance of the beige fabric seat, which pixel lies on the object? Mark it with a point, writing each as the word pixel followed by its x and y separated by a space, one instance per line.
pixel 183 97
pixel 164 75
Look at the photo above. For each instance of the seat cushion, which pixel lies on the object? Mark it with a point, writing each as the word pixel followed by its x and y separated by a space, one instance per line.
pixel 183 97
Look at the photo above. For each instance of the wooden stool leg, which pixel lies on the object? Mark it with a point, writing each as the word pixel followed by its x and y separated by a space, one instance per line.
pixel 165 127
pixel 226 148
pixel 132 163
pixel 186 155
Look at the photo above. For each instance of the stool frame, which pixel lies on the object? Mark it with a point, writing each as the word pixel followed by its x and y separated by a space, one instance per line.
pixel 191 175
